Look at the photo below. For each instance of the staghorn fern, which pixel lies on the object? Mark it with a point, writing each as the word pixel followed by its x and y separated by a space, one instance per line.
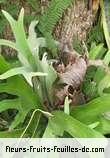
pixel 28 56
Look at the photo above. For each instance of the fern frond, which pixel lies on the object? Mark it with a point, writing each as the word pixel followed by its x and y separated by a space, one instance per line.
pixel 49 19
pixel 53 13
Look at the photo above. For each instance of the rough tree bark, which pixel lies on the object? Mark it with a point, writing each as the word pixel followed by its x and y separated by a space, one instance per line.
pixel 76 21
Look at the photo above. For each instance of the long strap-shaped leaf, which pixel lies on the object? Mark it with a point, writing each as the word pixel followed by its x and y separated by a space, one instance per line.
pixel 20 36
pixel 8 43
pixel 61 122
pixel 105 7
pixel 25 71
pixel 91 112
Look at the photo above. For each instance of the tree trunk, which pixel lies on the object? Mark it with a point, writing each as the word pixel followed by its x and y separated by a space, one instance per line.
pixel 76 21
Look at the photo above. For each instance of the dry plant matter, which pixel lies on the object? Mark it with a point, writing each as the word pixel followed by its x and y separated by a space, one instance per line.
pixel 76 21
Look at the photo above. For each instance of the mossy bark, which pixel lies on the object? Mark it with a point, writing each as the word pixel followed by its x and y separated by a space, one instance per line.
pixel 76 21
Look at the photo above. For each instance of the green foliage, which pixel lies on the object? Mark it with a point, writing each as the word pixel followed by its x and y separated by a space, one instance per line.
pixel 105 7
pixel 66 106
pixel 51 16
pixel 92 111
pixel 23 91
pixel 104 126
pixel 28 50
pixel 77 45
pixel 33 123
pixel 75 128
pixel 90 89
pixel 107 58
pixel 31 80
pixel 34 4
pixel 24 52
pixel 11 134
pixel 26 99
pixel 104 83
pixel 96 34
pixel 94 52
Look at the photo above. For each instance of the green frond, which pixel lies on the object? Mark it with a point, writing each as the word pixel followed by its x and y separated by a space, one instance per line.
pixel 49 19
pixel 53 13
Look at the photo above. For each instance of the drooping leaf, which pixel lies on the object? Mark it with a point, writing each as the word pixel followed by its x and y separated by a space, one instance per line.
pixel 61 122
pixel 25 71
pixel 91 112
pixel 8 43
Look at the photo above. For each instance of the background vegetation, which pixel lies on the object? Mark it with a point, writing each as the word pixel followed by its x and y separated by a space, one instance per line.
pixel 28 80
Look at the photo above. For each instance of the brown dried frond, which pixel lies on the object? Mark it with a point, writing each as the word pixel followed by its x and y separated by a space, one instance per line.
pixel 70 79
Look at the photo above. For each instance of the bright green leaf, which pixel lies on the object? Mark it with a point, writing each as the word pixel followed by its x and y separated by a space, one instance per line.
pixel 8 43
pixel 95 51
pixel 105 10
pixel 107 58
pixel 90 112
pixel 25 71
pixel 66 106
pixel 104 83
pixel 61 122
